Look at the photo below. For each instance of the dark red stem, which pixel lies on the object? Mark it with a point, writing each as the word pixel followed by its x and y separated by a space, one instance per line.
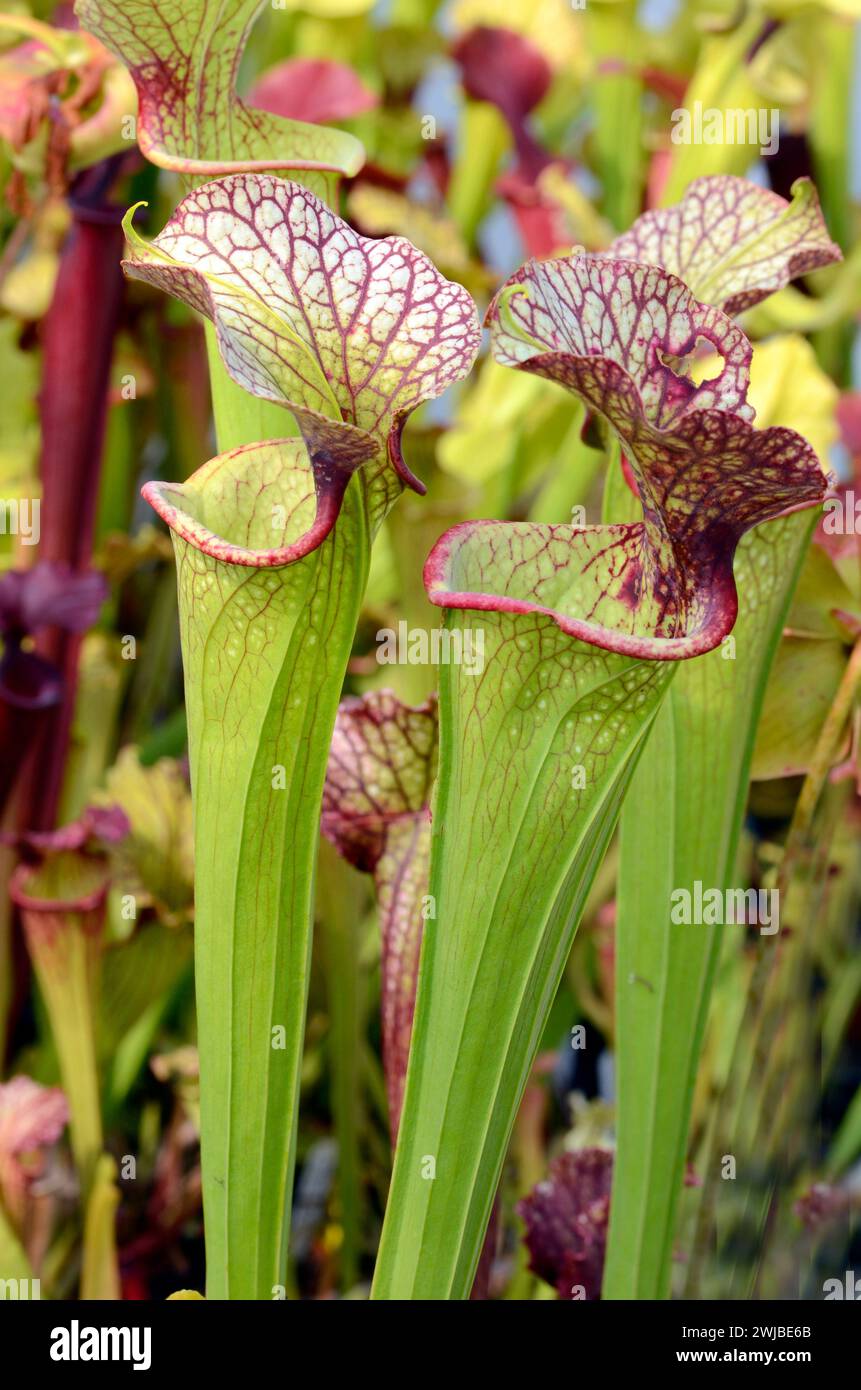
pixel 77 342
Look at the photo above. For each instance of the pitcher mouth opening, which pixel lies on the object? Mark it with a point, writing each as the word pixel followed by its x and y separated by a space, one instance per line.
pixel 66 882
pixel 261 505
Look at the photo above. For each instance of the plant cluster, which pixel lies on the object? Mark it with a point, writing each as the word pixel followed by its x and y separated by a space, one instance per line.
pixel 429 860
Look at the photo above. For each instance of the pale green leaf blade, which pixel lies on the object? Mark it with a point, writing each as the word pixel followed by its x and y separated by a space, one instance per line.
pixel 265 636
pixel 696 769
pixel 536 753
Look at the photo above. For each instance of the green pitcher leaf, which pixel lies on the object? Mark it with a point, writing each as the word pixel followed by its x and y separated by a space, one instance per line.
pixel 535 756
pixel 804 681
pixel 681 824
pixel 581 628
pixel 264 642
pixel 294 510
pixel 732 242
pixel 696 765
pixel 376 811
pixel 62 905
pixel 100 1274
pixel 272 541
pixel 183 56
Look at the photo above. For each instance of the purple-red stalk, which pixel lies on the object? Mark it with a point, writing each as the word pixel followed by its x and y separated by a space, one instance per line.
pixel 77 343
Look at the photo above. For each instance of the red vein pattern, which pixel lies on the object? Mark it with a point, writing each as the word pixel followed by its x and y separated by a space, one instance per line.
pixel 376 813
pixel 662 588
pixel 731 241
pixel 348 333
pixel 566 1218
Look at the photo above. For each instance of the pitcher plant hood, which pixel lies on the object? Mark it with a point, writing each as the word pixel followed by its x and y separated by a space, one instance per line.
pixel 618 335
pixel 350 334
